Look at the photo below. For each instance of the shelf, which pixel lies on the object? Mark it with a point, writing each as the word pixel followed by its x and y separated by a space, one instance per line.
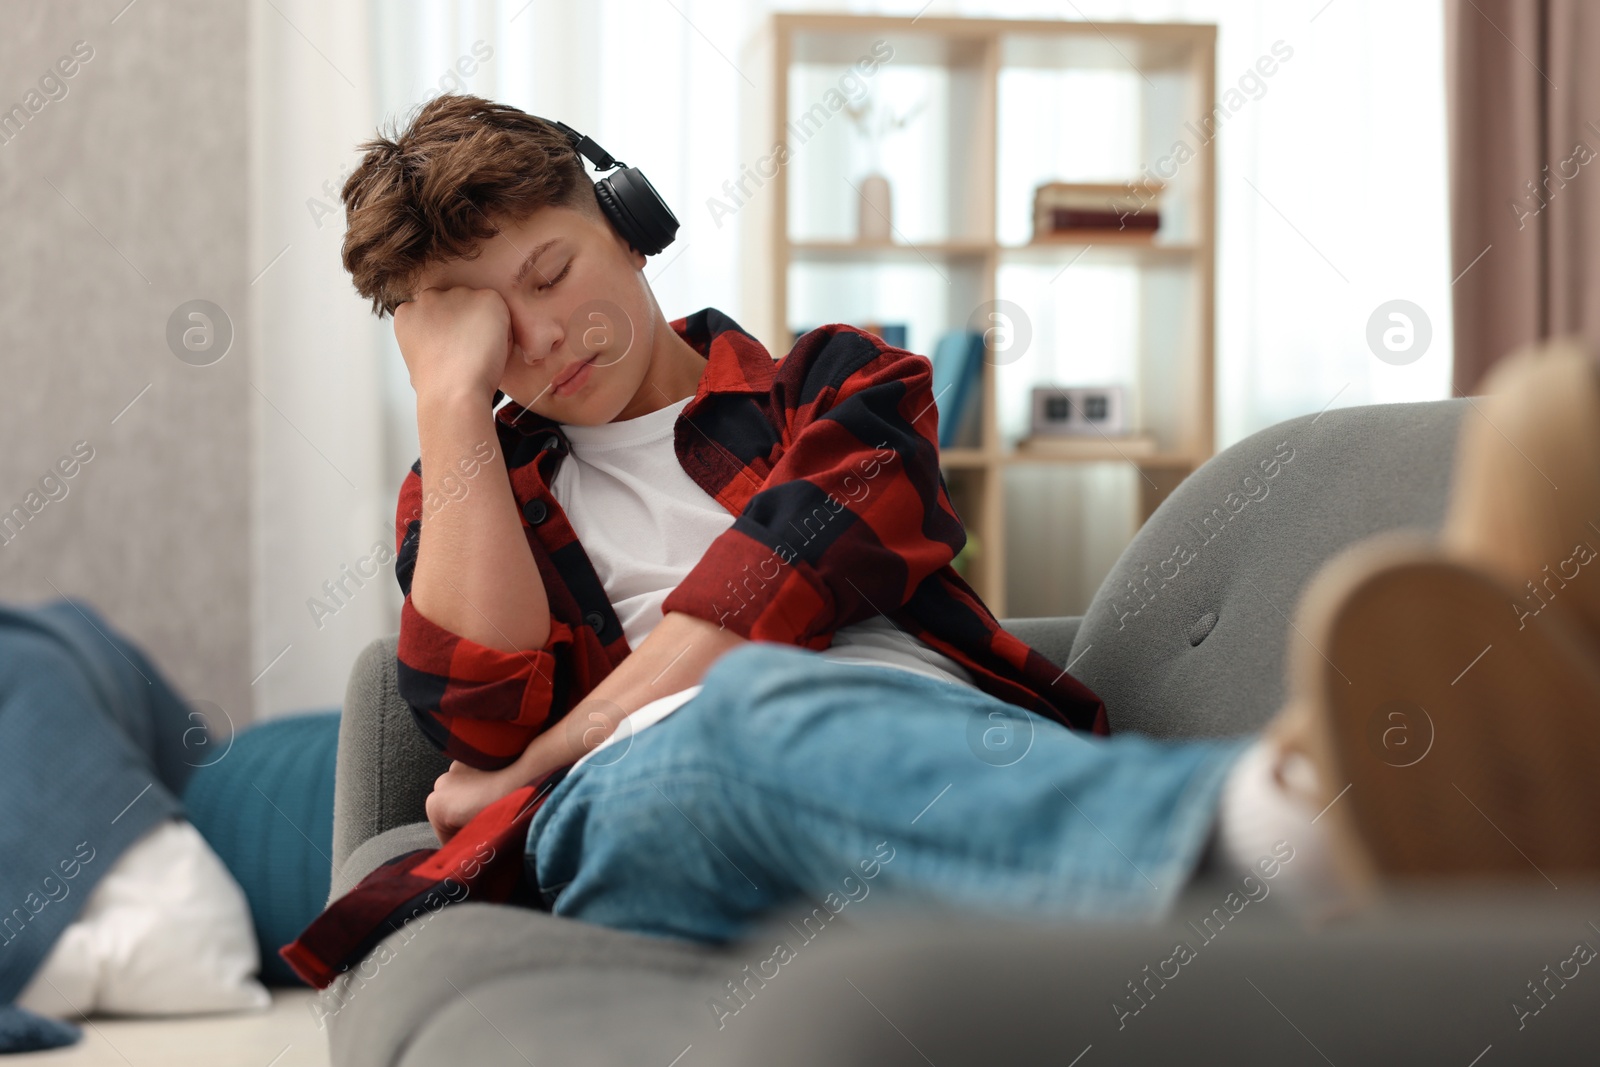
pixel 1102 452
pixel 1145 47
pixel 884 251
pixel 963 458
pixel 1088 452
pixel 1004 106
pixel 1093 237
pixel 1107 249
pixel 824 43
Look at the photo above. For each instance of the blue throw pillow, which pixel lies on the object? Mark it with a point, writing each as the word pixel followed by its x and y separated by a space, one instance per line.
pixel 23 1031
pixel 266 807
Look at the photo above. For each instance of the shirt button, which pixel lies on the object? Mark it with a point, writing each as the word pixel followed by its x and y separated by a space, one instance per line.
pixel 535 511
pixel 595 620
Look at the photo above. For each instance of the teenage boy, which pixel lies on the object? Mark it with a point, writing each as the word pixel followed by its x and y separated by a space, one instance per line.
pixel 735 572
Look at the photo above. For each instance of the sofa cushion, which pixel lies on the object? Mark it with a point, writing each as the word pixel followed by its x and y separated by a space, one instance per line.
pixel 378 1008
pixel 1051 636
pixel 1437 978
pixel 596 1017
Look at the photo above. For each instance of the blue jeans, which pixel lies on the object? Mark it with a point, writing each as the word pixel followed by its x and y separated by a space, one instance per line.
pixel 791 777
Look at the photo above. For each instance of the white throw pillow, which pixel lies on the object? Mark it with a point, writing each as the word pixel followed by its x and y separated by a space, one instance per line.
pixel 167 931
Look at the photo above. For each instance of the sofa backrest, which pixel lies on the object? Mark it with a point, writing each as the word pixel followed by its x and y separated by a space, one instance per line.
pixel 1186 635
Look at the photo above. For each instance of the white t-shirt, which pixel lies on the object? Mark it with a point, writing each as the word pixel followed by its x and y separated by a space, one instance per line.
pixel 644 523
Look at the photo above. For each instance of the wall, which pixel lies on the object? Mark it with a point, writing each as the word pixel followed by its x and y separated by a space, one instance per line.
pixel 120 201
pixel 188 158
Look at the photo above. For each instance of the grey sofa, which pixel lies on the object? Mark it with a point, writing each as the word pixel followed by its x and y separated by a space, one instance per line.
pixel 1186 637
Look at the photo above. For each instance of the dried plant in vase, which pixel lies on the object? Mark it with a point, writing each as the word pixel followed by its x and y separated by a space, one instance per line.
pixel 874 211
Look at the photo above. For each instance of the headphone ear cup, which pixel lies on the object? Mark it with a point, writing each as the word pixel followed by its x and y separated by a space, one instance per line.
pixel 637 210
pixel 619 217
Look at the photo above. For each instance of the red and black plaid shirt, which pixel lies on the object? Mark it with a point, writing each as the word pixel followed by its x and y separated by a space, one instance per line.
pixel 829 461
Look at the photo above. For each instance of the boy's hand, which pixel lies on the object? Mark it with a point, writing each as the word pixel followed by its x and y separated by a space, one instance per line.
pixel 460 793
pixel 676 654
pixel 455 341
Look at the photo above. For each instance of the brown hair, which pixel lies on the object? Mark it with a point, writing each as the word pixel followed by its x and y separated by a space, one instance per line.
pixel 435 190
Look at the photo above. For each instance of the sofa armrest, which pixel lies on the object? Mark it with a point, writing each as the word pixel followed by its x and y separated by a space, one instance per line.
pixel 386 767
pixel 375 851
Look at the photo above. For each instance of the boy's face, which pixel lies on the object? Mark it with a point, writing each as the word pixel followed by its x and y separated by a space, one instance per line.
pixel 577 293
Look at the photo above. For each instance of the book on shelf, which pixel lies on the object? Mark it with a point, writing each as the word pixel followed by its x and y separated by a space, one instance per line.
pixel 1128 209
pixel 1072 218
pixel 957 367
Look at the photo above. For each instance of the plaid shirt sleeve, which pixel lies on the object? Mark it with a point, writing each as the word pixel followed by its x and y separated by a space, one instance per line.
pixel 476 704
pixel 852 517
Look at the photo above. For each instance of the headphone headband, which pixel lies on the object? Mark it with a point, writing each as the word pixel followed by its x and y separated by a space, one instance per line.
pixel 627 198
pixel 587 147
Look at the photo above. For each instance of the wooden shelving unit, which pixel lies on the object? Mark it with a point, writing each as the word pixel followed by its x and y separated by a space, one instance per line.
pixel 963 175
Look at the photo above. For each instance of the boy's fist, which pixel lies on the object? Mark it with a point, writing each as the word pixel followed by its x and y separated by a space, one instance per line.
pixel 454 341
pixel 463 791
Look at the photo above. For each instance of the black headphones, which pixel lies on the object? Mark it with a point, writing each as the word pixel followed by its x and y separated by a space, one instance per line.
pixel 627 197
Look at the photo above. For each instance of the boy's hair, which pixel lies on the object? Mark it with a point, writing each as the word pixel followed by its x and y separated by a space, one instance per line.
pixel 436 189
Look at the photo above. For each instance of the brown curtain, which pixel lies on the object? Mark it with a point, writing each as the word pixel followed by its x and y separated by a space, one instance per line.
pixel 1523 84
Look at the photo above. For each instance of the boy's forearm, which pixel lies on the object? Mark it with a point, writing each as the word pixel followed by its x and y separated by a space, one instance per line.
pixel 475 575
pixel 676 654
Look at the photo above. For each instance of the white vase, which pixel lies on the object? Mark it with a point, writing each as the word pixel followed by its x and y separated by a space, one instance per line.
pixel 873 211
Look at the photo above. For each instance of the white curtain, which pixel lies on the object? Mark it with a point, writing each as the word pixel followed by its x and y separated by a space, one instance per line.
pixel 1331 201
pixel 323 490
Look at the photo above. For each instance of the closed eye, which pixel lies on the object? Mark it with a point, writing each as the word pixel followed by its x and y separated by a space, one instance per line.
pixel 557 278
